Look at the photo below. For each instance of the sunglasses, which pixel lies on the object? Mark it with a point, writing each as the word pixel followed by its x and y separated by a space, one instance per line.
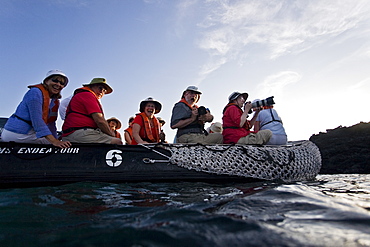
pixel 62 83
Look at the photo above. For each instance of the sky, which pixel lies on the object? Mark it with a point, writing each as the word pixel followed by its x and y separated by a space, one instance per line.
pixel 313 56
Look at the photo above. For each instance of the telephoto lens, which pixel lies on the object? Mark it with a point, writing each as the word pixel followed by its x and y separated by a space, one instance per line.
pixel 265 102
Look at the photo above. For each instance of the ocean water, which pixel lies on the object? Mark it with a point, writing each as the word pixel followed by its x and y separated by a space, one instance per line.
pixel 333 210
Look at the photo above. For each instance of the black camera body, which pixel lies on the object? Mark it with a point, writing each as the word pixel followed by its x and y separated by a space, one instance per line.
pixel 202 110
pixel 265 102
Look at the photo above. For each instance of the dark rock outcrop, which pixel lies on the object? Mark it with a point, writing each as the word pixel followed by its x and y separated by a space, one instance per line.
pixel 345 150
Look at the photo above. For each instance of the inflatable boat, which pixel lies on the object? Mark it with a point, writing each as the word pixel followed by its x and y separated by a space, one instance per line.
pixel 41 165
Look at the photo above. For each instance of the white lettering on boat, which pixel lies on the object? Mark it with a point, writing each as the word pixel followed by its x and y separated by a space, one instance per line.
pixel 68 151
pixel 4 151
pixel 35 150
pixel 30 150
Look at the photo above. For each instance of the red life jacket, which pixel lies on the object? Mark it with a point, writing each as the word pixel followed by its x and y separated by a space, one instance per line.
pixel 48 115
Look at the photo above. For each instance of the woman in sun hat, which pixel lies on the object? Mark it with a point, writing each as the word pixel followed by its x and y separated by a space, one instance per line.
pixel 34 120
pixel 236 127
pixel 146 127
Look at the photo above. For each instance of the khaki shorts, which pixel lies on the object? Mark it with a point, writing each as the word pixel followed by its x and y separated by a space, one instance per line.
pixel 261 137
pixel 212 138
pixel 30 137
pixel 88 136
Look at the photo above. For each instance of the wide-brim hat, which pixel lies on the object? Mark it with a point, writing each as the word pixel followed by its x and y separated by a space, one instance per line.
pixel 194 89
pixel 101 81
pixel 55 72
pixel 235 95
pixel 119 125
pixel 158 105
pixel 216 127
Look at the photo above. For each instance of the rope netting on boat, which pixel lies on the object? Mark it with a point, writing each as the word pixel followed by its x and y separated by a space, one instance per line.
pixel 295 162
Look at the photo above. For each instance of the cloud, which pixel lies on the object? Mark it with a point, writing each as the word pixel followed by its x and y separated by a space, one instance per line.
pixel 210 67
pixel 285 27
pixel 274 84
pixel 360 84
pixel 185 12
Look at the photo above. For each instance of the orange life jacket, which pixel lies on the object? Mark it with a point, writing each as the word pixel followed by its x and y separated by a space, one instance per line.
pixel 129 131
pixel 186 103
pixel 117 134
pixel 52 115
pixel 149 135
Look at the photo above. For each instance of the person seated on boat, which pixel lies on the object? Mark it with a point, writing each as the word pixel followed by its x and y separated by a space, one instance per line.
pixel 189 119
pixel 236 127
pixel 115 125
pixel 128 131
pixel 215 128
pixel 146 127
pixel 162 135
pixel 268 118
pixel 34 120
pixel 85 122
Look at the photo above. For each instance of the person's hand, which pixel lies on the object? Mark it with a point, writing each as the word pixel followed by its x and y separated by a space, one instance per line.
pixel 206 117
pixel 194 113
pixel 247 106
pixel 162 136
pixel 62 144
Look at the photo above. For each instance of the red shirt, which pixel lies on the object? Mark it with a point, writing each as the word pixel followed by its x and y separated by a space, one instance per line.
pixel 231 118
pixel 82 105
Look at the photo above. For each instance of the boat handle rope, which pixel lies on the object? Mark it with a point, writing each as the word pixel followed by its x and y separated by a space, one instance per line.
pixel 151 161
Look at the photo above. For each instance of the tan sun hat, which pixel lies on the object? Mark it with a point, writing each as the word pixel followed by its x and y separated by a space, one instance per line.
pixel 119 125
pixel 101 81
pixel 216 127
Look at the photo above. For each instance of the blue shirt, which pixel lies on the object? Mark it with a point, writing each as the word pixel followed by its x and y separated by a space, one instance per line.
pixel 266 121
pixel 30 109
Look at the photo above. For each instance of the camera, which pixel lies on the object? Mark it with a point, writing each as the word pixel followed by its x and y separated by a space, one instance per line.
pixel 202 110
pixel 265 102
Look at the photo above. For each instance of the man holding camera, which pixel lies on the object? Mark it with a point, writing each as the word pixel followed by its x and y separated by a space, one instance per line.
pixel 189 119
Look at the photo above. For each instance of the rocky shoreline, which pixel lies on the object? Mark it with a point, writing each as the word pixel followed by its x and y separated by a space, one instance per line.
pixel 345 150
